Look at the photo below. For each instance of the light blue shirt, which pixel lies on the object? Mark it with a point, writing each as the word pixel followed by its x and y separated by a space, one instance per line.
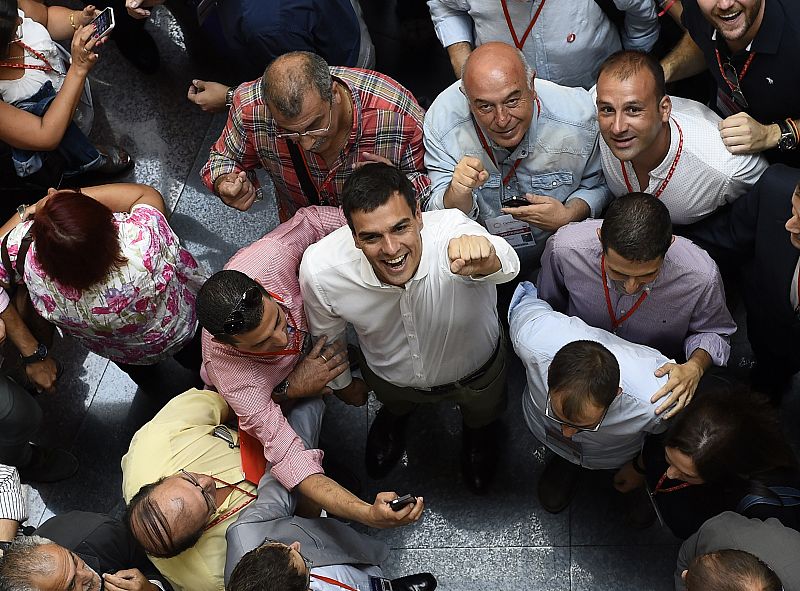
pixel 560 153
pixel 569 40
pixel 538 333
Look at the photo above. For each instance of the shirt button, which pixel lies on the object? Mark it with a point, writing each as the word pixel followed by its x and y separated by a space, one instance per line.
pixel 555 183
pixel 412 336
pixel 415 356
pixel 419 375
pixel 523 153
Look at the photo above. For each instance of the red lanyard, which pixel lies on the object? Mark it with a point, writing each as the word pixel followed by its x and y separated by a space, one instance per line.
pixel 520 42
pixel 671 171
pixel 490 153
pixel 615 323
pixel 47 67
pixel 658 488
pixel 333 582
pixel 227 514
pixel 745 67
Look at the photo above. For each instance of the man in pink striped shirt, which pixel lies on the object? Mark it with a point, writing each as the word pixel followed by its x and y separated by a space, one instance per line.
pixel 257 354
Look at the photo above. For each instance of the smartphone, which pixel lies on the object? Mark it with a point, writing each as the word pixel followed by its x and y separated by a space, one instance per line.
pixel 516 202
pixel 104 23
pixel 401 502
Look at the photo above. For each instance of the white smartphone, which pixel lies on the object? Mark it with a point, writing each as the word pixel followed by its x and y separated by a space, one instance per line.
pixel 103 22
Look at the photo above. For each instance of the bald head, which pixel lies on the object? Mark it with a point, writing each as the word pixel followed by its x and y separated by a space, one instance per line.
pixel 499 87
pixel 292 77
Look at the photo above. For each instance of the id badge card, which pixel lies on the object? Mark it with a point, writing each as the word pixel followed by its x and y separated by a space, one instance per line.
pixel 572 449
pixel 726 105
pixel 380 584
pixel 652 498
pixel 518 234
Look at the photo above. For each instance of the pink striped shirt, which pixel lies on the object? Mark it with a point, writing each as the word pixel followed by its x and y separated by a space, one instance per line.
pixel 246 381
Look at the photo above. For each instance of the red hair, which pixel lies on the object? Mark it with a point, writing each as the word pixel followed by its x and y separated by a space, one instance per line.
pixel 77 242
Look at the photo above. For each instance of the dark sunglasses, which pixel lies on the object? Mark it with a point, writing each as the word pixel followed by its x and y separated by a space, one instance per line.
pixel 235 322
pixel 732 77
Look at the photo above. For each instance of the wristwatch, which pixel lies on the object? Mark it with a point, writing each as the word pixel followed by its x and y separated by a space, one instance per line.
pixel 280 393
pixel 39 355
pixel 229 96
pixel 22 211
pixel 788 139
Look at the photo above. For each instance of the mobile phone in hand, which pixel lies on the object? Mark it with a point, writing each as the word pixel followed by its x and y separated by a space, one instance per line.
pixel 103 23
pixel 515 202
pixel 401 502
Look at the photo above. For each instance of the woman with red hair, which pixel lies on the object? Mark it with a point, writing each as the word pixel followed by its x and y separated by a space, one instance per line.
pixel 104 265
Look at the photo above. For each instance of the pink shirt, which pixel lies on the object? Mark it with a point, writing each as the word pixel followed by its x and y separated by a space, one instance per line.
pixel 246 381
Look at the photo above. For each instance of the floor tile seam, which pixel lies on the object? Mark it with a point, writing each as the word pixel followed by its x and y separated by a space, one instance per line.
pixel 82 426
pixel 491 547
pixel 191 168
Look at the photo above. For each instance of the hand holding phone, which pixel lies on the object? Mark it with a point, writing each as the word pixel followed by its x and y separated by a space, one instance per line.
pixel 103 23
pixel 401 502
pixel 515 202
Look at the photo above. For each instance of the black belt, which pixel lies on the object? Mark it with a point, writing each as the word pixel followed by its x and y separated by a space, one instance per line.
pixel 478 373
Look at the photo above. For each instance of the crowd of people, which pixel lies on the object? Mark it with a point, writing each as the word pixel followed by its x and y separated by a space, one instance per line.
pixel 554 204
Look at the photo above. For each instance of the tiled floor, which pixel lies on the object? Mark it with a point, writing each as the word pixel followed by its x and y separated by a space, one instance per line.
pixel 503 541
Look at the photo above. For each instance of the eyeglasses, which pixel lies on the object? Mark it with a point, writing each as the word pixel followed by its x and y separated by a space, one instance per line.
pixel 308 563
pixel 548 411
pixel 211 502
pixel 295 135
pixel 235 323
pixel 732 78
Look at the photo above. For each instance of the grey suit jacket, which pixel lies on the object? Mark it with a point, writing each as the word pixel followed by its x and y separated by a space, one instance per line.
pixel 324 541
pixel 775 544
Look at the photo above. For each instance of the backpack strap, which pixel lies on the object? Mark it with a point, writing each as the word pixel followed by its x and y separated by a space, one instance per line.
pixel 785 496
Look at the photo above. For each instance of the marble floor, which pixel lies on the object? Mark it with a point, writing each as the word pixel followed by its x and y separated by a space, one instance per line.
pixel 504 540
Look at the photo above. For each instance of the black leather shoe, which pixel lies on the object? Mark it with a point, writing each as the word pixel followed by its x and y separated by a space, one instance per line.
pixel 418 582
pixel 138 47
pixel 558 483
pixel 49 465
pixel 479 457
pixel 386 443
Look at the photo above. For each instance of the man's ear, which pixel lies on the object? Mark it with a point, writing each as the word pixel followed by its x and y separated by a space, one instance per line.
pixel 683 575
pixel 665 106
pixel 619 391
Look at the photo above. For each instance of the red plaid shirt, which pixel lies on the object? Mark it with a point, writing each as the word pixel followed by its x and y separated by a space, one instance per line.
pixel 246 381
pixel 387 121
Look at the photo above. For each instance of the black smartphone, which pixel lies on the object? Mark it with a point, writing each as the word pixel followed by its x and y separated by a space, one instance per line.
pixel 103 22
pixel 401 502
pixel 516 202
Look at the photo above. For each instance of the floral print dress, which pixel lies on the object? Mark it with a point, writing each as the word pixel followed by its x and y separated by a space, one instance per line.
pixel 143 312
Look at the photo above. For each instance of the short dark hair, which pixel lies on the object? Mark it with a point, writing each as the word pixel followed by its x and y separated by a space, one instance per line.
pixel 150 527
pixel 24 561
pixel 586 372
pixel 267 568
pixel 373 185
pixel 638 227
pixel 286 85
pixel 718 430
pixel 77 241
pixel 627 62
pixel 8 25
pixel 731 570
pixel 220 294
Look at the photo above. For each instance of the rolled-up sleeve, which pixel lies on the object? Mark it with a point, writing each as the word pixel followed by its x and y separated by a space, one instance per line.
pixel 711 325
pixel 452 24
pixel 641 28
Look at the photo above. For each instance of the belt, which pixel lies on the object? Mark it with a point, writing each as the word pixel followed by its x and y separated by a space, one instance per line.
pixel 478 373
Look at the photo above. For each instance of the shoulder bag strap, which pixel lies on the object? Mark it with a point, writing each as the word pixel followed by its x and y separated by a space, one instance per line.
pixel 303 176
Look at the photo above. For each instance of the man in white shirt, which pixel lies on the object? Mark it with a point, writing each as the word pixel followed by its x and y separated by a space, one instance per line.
pixel 667 146
pixel 588 397
pixel 420 292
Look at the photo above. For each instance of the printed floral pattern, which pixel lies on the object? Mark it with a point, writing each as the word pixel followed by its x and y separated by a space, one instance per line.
pixel 143 312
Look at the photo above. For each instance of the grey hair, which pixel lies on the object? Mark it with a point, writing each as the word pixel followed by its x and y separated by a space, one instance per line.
pixel 530 72
pixel 21 562
pixel 285 88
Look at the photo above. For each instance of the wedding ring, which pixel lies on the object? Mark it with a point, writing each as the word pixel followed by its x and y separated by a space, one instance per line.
pixel 323 356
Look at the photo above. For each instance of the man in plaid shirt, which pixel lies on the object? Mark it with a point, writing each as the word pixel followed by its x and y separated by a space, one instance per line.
pixel 309 125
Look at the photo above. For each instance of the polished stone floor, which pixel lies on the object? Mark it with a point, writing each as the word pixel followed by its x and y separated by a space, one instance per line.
pixel 504 540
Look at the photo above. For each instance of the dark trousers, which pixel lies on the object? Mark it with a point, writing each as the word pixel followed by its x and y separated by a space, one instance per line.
pixel 20 417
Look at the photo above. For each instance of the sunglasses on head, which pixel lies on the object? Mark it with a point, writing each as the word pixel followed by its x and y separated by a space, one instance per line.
pixel 235 323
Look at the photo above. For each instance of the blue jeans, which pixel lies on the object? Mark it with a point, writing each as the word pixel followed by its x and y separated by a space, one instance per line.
pixel 79 153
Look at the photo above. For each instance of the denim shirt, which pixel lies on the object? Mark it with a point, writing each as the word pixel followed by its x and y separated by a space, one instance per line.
pixel 560 152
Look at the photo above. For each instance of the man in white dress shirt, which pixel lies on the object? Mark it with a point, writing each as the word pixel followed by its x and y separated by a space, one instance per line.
pixel 420 292
pixel 587 397
pixel 666 146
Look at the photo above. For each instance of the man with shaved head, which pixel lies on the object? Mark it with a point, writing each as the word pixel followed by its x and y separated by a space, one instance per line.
pixel 520 158
pixel 308 125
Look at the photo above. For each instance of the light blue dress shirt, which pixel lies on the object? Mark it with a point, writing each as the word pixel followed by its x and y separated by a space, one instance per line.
pixel 538 333
pixel 560 153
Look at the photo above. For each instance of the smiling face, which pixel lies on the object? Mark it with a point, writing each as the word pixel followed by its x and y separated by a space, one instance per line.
pixel 500 95
pixel 681 466
pixel 793 223
pixel 68 571
pixel 390 237
pixel 736 20
pixel 632 118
